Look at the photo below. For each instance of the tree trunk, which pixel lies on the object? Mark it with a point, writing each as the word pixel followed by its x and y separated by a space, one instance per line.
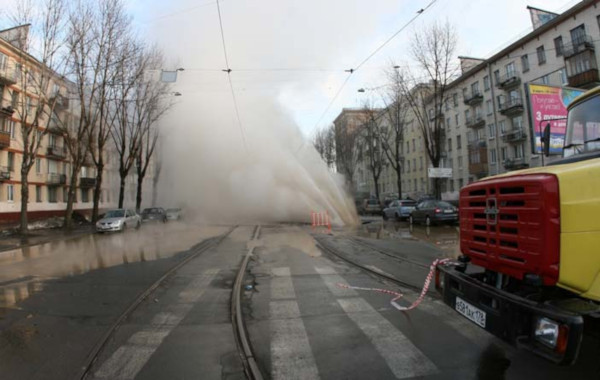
pixel 24 198
pixel 138 196
pixel 70 200
pixel 376 187
pixel 399 179
pixel 97 189
pixel 121 191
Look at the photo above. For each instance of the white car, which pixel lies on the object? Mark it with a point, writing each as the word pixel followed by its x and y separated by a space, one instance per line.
pixel 174 214
pixel 118 220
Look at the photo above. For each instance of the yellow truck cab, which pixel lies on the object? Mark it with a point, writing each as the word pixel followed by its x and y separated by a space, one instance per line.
pixel 530 241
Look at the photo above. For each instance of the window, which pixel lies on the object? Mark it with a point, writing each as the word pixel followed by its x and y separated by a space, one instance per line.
pixel 519 151
pixel 497 76
pixel 455 99
pixel 458 142
pixel 450 145
pixel 13 129
pixel 65 195
pixel 85 195
pixel 489 107
pixel 502 125
pixel 493 158
pixel 414 164
pixel 545 79
pixel 578 35
pixel 451 185
pixel 415 184
pixel 477 112
pixel 460 183
pixel 467 115
pixel 492 131
pixel 510 70
pixel 52 191
pixel 486 83
pixel 448 120
pixel 38 166
pixel 580 63
pixel 407 147
pixel 500 99
pixel 3 61
pixel 503 154
pixel 517 123
pixel 11 161
pixel 457 120
pixel 541 55
pixel 420 163
pixel 558 46
pixel 525 63
pixel 10 193
pixel 408 166
pixel 460 162
pixel 38 193
pixel 14 99
pixel 563 76
pixel 474 88
pixel 413 143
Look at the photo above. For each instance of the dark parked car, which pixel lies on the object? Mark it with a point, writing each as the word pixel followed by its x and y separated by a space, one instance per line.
pixel 156 214
pixel 432 211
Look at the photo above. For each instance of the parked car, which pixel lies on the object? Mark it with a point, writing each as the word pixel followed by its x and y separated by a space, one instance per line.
pixel 174 214
pixel 399 210
pixel 371 206
pixel 118 220
pixel 432 211
pixel 154 214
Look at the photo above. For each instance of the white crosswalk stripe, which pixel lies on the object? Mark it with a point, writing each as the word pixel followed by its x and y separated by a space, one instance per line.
pixel 127 361
pixel 291 355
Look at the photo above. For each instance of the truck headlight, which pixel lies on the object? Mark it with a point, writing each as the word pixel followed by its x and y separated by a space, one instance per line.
pixel 547 332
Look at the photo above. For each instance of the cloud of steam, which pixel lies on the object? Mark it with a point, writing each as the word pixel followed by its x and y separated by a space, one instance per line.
pixel 275 176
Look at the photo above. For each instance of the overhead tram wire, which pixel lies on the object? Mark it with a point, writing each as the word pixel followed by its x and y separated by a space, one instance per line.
pixel 228 71
pixel 353 70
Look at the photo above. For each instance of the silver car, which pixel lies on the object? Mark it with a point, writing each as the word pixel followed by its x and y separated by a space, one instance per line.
pixel 399 209
pixel 118 220
pixel 174 213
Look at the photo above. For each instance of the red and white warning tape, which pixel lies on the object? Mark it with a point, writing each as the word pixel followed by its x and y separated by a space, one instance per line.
pixel 400 295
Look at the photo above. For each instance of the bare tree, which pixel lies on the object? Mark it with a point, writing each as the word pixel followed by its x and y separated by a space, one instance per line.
pixel 396 112
pixel 370 143
pixel 127 131
pixel 150 104
pixel 37 75
pixel 433 48
pixel 324 143
pixel 112 30
pixel 346 153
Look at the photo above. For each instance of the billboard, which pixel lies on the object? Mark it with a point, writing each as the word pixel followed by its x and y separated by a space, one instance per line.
pixel 439 172
pixel 549 104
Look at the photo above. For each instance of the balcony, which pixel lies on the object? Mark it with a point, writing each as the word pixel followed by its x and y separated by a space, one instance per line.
pixel 4 139
pixel 475 122
pixel 515 163
pixel 59 101
pixel 514 136
pixel 586 79
pixel 56 152
pixel 87 182
pixel 477 144
pixel 578 45
pixel 508 81
pixel 473 99
pixel 512 106
pixel 4 173
pixel 8 75
pixel 479 169
pixel 55 179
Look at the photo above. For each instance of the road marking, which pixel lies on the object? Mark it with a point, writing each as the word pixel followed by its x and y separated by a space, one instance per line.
pixel 331 279
pixel 127 361
pixel 291 355
pixel 281 285
pixel 402 356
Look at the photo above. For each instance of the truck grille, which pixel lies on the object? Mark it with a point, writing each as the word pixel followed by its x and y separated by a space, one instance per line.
pixel 512 225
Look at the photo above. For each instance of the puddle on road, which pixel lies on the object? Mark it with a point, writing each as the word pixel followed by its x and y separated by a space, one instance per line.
pixel 24 270
pixel 444 237
pixel 294 237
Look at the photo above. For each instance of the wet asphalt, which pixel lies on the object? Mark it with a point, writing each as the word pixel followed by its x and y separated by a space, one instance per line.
pixel 57 300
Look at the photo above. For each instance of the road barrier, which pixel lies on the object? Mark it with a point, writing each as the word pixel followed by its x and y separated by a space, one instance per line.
pixel 320 219
pixel 400 295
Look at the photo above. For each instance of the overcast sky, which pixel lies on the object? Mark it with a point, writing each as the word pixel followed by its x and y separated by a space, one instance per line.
pixel 316 40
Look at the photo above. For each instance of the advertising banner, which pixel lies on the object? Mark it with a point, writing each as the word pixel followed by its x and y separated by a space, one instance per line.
pixel 439 172
pixel 548 104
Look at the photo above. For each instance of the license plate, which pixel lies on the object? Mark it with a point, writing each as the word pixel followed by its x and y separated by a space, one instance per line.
pixel 471 312
pixel 448 211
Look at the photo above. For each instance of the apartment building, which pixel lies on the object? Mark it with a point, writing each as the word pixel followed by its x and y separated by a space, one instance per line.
pixel 49 176
pixel 487 119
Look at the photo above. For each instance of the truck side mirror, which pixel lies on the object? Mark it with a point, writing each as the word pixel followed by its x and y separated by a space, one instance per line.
pixel 546 140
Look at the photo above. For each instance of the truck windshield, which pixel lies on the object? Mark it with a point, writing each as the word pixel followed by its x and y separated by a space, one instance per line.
pixel 583 128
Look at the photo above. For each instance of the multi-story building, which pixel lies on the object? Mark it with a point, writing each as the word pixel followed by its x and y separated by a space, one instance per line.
pixel 487 120
pixel 49 176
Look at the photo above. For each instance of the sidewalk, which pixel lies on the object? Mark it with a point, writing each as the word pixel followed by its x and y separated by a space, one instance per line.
pixel 14 240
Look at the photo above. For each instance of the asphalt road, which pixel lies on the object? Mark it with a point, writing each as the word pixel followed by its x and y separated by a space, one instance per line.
pixel 58 300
